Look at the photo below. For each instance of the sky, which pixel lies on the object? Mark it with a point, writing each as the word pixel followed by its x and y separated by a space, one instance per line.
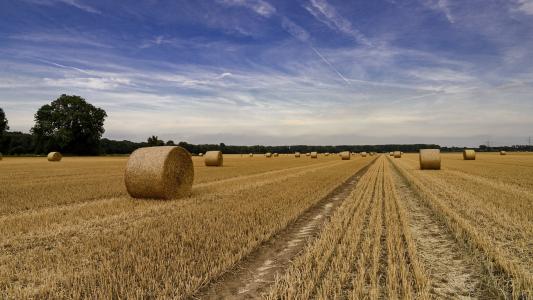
pixel 277 72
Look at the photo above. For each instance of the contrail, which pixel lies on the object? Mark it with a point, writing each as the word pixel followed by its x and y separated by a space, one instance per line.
pixel 329 64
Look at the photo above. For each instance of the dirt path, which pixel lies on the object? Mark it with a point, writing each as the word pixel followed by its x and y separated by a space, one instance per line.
pixel 251 276
pixel 454 272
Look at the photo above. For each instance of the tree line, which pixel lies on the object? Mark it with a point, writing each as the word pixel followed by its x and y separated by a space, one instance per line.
pixel 71 125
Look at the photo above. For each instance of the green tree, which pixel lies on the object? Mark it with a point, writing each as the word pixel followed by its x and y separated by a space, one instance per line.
pixel 69 124
pixel 155 141
pixel 3 122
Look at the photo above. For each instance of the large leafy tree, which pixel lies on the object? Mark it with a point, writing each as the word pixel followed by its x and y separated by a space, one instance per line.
pixel 3 122
pixel 69 124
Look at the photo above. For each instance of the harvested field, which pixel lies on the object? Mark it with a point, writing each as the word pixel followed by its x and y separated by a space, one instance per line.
pixel 369 227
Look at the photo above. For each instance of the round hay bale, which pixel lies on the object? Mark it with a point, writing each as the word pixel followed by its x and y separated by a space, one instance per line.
pixel 503 152
pixel 397 154
pixel 391 153
pixel 164 172
pixel 469 154
pixel 213 159
pixel 275 154
pixel 250 154
pixel 429 159
pixel 54 156
pixel 308 154
pixel 363 154
pixel 314 155
pixel 326 154
pixel 200 154
pixel 268 154
pixel 345 155
pixel 296 154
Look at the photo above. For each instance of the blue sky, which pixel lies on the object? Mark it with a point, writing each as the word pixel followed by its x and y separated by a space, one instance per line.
pixel 277 72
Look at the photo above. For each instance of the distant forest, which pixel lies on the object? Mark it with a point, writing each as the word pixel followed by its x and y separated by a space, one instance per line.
pixel 17 143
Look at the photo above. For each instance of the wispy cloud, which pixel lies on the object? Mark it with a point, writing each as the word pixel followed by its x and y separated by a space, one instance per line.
pixel 442 6
pixel 261 7
pixel 525 6
pixel 74 3
pixel 327 14
pixel 294 29
pixel 60 38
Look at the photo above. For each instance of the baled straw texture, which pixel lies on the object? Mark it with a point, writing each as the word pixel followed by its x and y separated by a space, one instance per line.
pixel 397 154
pixel 296 154
pixel 213 159
pixel 345 155
pixel 268 154
pixel 503 152
pixel 164 172
pixel 363 154
pixel 314 155
pixel 54 156
pixel 429 159
pixel 469 154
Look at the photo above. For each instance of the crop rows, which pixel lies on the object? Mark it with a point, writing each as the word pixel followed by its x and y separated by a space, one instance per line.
pixel 365 251
pixel 109 247
pixel 491 215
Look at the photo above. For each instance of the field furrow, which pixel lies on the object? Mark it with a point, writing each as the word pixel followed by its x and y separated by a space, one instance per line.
pixel 498 224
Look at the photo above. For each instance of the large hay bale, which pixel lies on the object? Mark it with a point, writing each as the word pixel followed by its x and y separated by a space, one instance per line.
pixel 296 154
pixel 503 152
pixel 314 155
pixel 250 154
pixel 391 153
pixel 363 154
pixel 54 156
pixel 268 154
pixel 469 154
pixel 345 155
pixel 213 159
pixel 275 154
pixel 430 159
pixel 397 154
pixel 164 172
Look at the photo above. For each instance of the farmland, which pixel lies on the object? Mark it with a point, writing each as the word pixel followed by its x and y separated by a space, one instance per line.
pixel 70 230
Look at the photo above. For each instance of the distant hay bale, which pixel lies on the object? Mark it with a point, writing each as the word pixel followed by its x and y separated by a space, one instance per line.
pixel 345 155
pixel 250 154
pixel 164 172
pixel 326 154
pixel 391 153
pixel 296 154
pixel 397 154
pixel 213 159
pixel 268 154
pixel 469 154
pixel 430 159
pixel 275 154
pixel 54 156
pixel 363 154
pixel 308 154
pixel 314 155
pixel 200 154
pixel 503 152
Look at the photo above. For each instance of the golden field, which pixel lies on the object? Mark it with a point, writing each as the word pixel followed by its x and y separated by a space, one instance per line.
pixel 69 229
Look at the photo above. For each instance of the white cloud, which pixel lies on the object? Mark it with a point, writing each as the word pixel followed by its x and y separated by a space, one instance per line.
pixel 295 30
pixel 442 6
pixel 261 7
pixel 327 14
pixel 525 6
